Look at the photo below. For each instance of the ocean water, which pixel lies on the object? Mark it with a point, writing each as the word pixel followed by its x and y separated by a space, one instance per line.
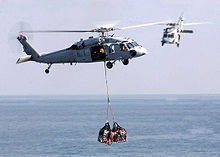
pixel 68 126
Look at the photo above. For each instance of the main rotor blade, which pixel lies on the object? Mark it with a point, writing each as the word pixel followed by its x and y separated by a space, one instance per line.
pixel 56 31
pixel 196 23
pixel 142 25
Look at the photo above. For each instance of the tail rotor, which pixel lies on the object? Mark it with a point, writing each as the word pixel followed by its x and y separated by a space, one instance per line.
pixel 16 30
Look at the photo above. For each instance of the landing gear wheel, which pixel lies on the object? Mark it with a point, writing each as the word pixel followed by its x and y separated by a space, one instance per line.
pixel 109 65
pixel 178 45
pixel 47 71
pixel 162 44
pixel 125 61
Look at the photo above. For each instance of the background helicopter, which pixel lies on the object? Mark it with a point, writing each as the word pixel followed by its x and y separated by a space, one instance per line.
pixel 103 48
pixel 171 34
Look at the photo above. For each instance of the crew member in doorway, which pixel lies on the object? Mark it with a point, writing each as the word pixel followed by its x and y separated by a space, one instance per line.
pixel 102 50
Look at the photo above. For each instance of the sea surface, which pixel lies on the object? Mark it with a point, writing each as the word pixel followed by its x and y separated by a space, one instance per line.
pixel 68 126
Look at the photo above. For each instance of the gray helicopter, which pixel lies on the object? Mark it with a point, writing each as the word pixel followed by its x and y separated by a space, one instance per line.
pixel 104 48
pixel 171 34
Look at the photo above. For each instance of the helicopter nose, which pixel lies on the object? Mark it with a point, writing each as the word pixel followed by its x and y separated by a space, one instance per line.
pixel 138 51
pixel 141 51
pixel 144 51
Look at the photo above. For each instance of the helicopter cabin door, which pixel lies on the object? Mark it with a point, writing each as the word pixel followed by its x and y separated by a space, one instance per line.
pixel 98 53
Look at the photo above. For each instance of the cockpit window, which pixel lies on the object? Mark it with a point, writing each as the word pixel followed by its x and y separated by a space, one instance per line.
pixel 170 35
pixel 129 45
pixel 122 47
pixel 135 43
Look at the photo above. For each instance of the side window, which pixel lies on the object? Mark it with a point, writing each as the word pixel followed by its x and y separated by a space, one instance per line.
pixel 122 47
pixel 129 45
pixel 112 49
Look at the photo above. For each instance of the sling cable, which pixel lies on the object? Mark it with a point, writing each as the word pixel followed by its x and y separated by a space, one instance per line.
pixel 107 135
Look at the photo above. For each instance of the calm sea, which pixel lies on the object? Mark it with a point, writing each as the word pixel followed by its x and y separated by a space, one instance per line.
pixel 66 126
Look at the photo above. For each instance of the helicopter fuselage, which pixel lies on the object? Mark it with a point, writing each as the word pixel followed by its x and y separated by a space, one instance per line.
pixel 171 35
pixel 96 50
pixel 91 50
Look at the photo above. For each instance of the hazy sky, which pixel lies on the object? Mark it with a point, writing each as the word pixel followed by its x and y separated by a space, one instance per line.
pixel 192 68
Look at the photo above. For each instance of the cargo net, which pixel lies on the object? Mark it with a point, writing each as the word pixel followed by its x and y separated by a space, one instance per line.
pixel 116 135
pixel 107 135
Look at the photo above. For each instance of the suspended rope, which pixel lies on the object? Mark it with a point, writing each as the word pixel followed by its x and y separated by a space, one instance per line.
pixel 107 88
pixel 107 135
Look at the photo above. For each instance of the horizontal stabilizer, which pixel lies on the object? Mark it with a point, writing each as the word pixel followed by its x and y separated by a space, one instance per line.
pixel 187 31
pixel 24 59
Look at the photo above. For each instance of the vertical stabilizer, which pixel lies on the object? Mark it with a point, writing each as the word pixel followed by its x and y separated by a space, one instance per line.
pixel 28 49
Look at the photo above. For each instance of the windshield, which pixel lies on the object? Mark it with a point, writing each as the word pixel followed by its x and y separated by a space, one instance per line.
pixel 135 43
pixel 170 35
pixel 129 45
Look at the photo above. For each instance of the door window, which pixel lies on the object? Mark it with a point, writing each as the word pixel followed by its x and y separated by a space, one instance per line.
pixel 123 47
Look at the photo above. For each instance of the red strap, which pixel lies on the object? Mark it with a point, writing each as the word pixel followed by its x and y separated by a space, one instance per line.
pixel 109 105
